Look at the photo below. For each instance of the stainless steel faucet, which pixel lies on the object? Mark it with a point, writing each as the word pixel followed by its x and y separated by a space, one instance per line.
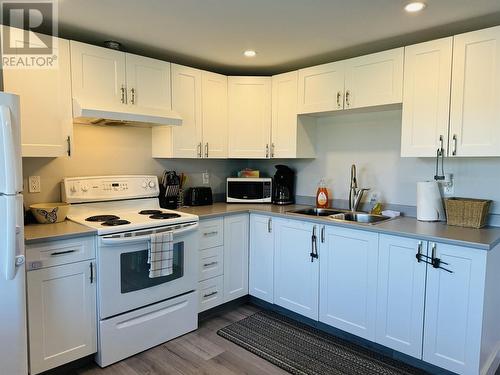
pixel 355 194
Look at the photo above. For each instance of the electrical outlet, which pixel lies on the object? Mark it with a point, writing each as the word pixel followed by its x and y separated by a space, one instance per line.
pixel 34 184
pixel 206 178
pixel 448 185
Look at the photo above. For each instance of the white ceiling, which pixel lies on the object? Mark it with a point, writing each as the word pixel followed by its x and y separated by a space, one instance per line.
pixel 286 34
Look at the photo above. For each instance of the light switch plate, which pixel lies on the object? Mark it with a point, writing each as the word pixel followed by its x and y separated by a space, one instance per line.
pixel 205 178
pixel 34 184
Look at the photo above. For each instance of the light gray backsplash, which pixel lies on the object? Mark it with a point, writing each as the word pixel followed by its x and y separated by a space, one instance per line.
pixel 372 141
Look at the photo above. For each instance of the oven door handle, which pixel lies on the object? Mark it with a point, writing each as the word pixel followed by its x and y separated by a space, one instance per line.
pixel 110 240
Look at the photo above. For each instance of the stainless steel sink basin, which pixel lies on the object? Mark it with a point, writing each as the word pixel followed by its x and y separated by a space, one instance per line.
pixel 316 211
pixel 358 217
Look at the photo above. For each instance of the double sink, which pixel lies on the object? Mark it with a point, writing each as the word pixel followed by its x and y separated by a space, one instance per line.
pixel 342 215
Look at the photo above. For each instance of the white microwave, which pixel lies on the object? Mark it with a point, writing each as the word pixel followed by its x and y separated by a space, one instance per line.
pixel 249 190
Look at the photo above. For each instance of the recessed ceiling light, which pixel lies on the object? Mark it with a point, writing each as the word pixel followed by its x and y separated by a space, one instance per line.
pixel 415 6
pixel 249 53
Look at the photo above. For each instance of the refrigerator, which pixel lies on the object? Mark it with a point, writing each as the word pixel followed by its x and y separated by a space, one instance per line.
pixel 13 333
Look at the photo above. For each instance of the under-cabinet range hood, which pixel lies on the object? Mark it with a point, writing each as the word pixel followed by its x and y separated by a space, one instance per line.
pixel 85 113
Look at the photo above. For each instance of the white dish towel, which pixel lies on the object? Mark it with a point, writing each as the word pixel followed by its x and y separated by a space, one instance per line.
pixel 161 254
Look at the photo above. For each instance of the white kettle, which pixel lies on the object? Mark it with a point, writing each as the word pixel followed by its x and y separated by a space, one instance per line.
pixel 429 202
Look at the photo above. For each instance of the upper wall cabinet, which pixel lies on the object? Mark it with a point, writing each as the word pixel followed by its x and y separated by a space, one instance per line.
pixel 292 136
pixel 201 99
pixel 47 121
pixel 365 81
pixel 426 98
pixel 249 114
pixel 321 88
pixel 475 94
pixel 116 81
pixel 375 79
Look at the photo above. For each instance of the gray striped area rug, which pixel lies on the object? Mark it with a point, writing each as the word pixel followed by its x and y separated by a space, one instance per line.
pixel 303 350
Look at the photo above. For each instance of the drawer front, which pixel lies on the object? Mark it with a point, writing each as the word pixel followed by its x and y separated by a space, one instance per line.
pixel 211 233
pixel 211 293
pixel 149 326
pixel 211 263
pixel 54 253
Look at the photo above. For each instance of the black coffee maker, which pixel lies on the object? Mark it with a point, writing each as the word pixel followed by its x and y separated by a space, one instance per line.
pixel 283 185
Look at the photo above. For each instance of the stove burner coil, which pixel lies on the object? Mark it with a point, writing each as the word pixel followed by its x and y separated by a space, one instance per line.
pixel 115 222
pixel 164 215
pixel 102 218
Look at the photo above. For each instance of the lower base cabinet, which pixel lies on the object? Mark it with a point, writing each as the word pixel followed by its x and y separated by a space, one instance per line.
pixel 235 256
pixel 61 314
pixel 261 262
pixel 348 280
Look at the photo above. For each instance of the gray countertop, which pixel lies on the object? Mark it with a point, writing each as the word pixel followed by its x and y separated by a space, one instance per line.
pixel 485 238
pixel 43 232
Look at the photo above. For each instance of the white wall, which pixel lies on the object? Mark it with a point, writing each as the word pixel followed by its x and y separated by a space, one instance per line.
pixel 112 150
pixel 372 141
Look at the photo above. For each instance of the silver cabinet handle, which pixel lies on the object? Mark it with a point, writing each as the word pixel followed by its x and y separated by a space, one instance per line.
pixel 267 151
pixel 272 150
pixel 210 294
pixel 269 225
pixel 348 98
pixel 314 245
pixel 419 252
pixel 199 149
pixel 123 98
pixel 323 234
pixel 433 254
pixel 213 233
pixel 132 95
pixel 68 141
pixel 339 96
pixel 206 150
pixel 56 253
pixel 441 139
pixel 91 272
pixel 210 264
pixel 455 142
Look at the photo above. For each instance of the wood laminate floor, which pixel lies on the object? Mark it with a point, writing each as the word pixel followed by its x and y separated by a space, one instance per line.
pixel 198 352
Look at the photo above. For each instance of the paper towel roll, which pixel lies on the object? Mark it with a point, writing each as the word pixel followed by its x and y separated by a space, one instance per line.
pixel 429 202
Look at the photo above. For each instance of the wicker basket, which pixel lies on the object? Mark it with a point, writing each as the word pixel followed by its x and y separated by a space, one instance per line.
pixel 467 212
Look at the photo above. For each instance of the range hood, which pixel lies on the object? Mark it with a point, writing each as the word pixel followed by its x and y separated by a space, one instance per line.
pixel 85 113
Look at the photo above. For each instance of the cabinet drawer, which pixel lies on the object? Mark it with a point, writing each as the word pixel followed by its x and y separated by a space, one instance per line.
pixel 211 233
pixel 211 263
pixel 53 253
pixel 210 293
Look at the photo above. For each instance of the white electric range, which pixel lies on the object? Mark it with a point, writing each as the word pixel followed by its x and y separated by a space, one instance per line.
pixel 135 312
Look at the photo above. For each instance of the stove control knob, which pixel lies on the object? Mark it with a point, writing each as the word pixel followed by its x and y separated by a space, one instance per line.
pixel 145 184
pixel 73 188
pixel 152 184
pixel 85 188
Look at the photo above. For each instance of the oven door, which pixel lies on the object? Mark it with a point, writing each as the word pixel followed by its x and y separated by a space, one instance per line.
pixel 123 271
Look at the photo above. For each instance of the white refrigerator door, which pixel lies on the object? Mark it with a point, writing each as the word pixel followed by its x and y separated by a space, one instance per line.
pixel 13 342
pixel 11 181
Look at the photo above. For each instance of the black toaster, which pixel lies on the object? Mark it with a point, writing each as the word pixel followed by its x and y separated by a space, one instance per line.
pixel 198 196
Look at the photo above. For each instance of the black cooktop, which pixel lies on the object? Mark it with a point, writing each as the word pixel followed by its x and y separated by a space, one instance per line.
pixel 102 218
pixel 115 222
pixel 164 215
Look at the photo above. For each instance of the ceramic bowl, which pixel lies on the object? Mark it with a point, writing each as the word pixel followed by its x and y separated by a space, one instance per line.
pixel 49 213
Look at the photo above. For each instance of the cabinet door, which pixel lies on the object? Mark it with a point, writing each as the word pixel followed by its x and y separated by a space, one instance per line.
pixel 214 115
pixel 426 98
pixel 148 84
pixel 235 256
pixel 47 119
pixel 321 88
pixel 475 94
pixel 61 315
pixel 348 280
pixel 401 294
pixel 261 271
pixel 186 100
pixel 249 117
pixel 284 115
pixel 375 79
pixel 295 276
pixel 454 309
pixel 98 76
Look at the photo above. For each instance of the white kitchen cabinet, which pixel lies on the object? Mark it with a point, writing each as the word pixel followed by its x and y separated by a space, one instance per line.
pixel 375 79
pixel 475 94
pixel 261 262
pixel 98 76
pixel 214 115
pixel 348 280
pixel 46 111
pixel 426 98
pixel 292 136
pixel 295 275
pixel 454 309
pixel 235 256
pixel 148 84
pixel 321 88
pixel 401 294
pixel 61 314
pixel 249 114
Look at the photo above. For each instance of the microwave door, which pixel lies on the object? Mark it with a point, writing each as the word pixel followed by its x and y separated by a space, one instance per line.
pixel 246 190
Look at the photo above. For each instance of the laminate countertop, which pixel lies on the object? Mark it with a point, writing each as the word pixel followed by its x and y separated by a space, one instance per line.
pixel 47 232
pixel 485 238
